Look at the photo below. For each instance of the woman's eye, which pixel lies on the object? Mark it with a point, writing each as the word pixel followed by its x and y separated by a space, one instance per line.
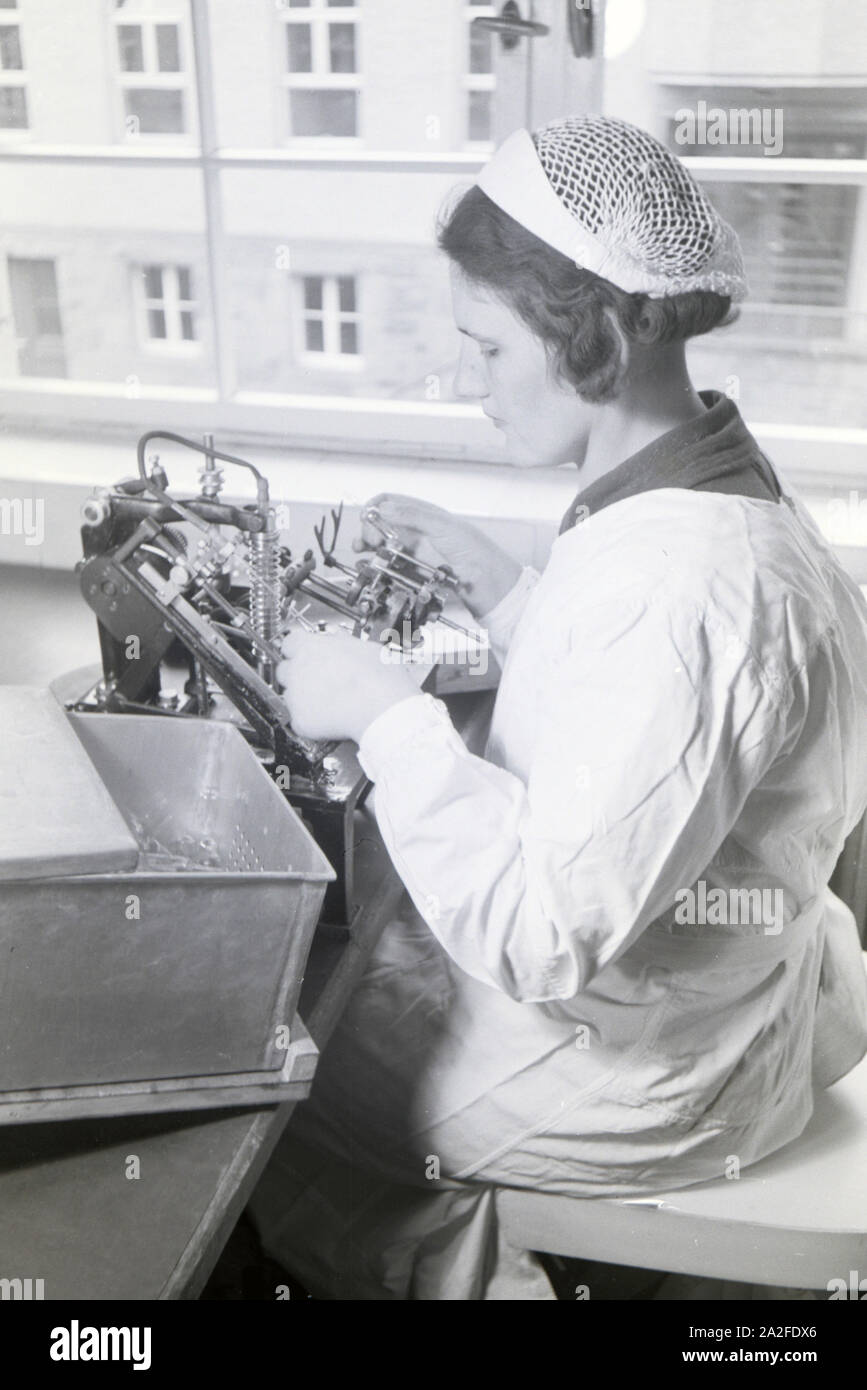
pixel 489 352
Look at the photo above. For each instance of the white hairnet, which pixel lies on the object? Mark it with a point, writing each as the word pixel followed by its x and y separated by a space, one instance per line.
pixel 616 202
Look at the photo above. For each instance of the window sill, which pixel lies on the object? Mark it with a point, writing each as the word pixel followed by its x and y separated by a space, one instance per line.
pixel 359 425
pixel 168 348
pixel 331 362
pixel 518 508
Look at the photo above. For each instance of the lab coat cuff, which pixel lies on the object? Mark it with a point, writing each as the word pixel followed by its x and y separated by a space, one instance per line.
pixel 388 735
pixel 500 623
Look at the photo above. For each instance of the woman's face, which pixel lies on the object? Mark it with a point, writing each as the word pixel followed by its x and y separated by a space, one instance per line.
pixel 505 367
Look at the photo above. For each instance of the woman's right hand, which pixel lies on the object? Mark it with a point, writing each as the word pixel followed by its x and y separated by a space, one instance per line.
pixel 484 571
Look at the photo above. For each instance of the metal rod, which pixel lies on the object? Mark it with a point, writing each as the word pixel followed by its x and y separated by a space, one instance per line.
pixel 215 239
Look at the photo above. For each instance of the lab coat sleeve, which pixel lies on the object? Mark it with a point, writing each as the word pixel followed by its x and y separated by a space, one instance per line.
pixel 653 726
pixel 502 620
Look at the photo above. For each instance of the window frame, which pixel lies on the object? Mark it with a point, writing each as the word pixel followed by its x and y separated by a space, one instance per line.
pixel 319 18
pixel 151 77
pixel 475 81
pixel 16 78
pixel 332 318
pixel 172 305
pixel 11 259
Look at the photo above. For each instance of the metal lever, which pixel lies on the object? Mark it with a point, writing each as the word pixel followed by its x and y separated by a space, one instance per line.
pixel 373 518
pixel 510 26
pixel 319 533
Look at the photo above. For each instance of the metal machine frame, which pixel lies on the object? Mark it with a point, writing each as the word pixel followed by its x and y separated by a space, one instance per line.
pixel 205 584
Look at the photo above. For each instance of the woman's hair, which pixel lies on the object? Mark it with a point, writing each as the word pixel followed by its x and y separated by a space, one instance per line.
pixel 564 305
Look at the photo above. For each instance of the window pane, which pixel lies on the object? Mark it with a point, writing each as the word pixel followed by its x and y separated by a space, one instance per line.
pixel 407 282
pixel 153 278
pixel 797 344
pixel 184 286
pixel 479 116
pixel 156 323
pixel 796 239
pixel 313 292
pixel 187 326
pixel 313 335
pixel 299 4
pixel 480 50
pixel 349 337
pixel 130 48
pixel 13 108
pixel 168 48
pixel 420 109
pixel 299 48
pixel 38 280
pixel 36 316
pixel 10 47
pixel 802 123
pixel 341 38
pixel 336 4
pixel 323 113
pixel 158 111
pixel 796 353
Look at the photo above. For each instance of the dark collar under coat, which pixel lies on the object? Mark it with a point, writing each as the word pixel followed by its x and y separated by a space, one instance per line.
pixel 714 452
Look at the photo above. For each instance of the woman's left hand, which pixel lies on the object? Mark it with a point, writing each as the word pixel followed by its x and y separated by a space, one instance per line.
pixel 336 685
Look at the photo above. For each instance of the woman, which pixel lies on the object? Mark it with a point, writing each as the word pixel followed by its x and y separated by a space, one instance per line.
pixel 610 985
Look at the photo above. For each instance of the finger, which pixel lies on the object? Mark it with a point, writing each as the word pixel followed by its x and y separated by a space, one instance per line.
pixel 397 508
pixel 389 531
pixel 405 517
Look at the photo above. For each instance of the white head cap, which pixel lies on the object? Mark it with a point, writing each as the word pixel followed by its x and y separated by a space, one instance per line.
pixel 616 202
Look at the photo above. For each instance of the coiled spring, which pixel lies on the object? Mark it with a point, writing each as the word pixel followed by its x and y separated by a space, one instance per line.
pixel 264 564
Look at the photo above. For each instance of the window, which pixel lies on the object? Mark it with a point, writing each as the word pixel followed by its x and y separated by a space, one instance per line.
pixel 796 238
pixel 321 68
pixel 168 305
pixel 13 93
pixel 330 316
pixel 479 81
pixel 150 60
pixel 13 108
pixel 785 162
pixel 252 217
pixel 36 314
pixel 10 48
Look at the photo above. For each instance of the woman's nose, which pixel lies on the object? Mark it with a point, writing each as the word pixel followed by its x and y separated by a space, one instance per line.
pixel 470 383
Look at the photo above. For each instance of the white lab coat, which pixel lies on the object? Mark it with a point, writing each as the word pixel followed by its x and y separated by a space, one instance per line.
pixel 683 708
